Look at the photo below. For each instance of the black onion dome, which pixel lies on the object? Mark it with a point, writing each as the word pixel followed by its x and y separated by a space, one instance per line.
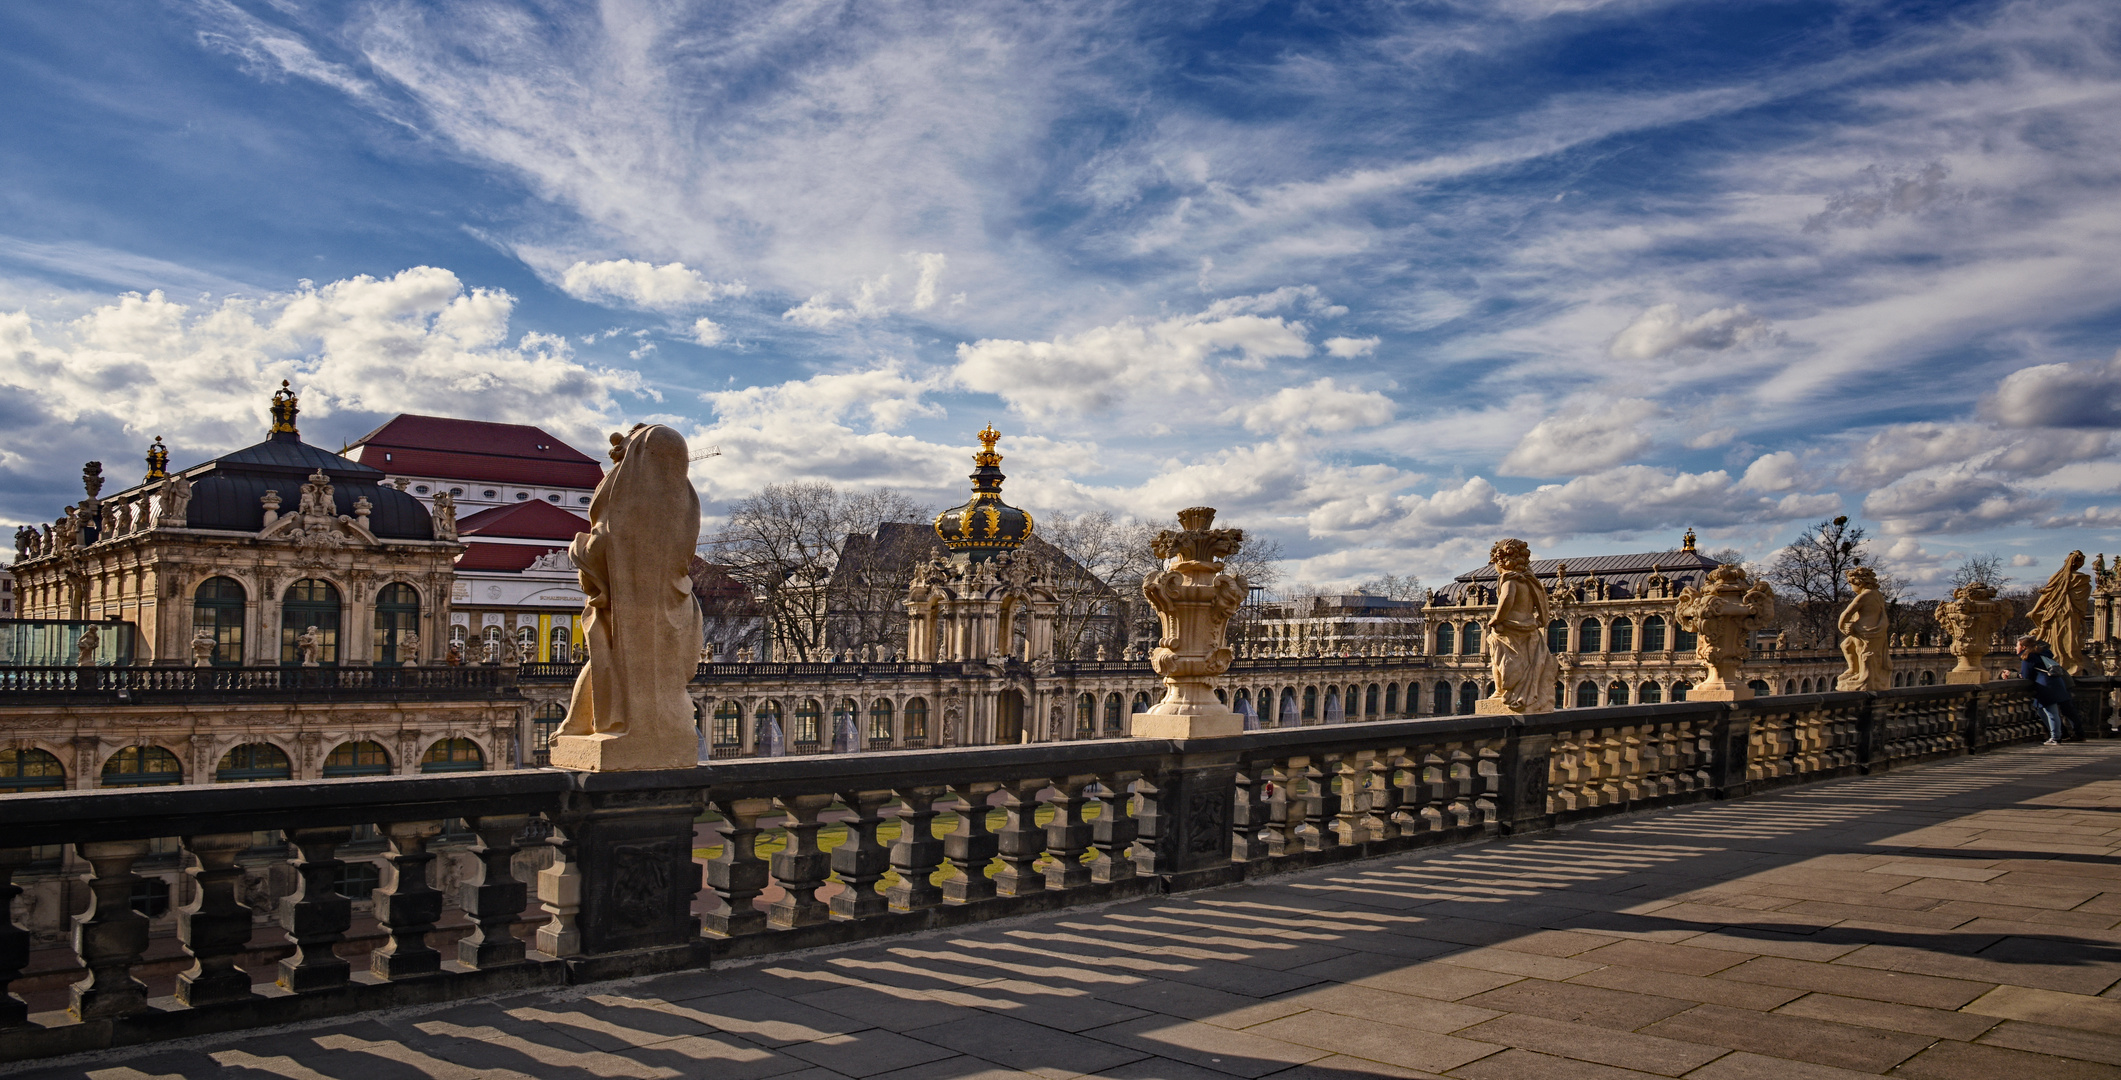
pixel 986 525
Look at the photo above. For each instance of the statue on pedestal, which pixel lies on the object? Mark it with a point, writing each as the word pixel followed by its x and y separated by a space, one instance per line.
pixel 1194 600
pixel 202 648
pixel 2060 611
pixel 640 624
pixel 445 516
pixel 409 650
pixel 1723 615
pixel 1863 622
pixel 1518 660
pixel 85 648
pixel 307 645
pixel 1972 617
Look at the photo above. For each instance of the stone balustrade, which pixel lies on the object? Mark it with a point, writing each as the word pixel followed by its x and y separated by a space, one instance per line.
pixel 68 684
pixel 925 840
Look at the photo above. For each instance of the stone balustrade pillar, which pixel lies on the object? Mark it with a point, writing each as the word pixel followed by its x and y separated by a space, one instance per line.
pixel 14 941
pixel 495 898
pixel 971 847
pixel 215 925
pixel 315 916
pixel 861 861
pixel 738 875
pixel 800 868
pixel 406 905
pixel 917 854
pixel 110 936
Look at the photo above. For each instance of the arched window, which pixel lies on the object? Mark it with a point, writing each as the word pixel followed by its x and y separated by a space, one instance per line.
pixel 916 722
pixel 1623 634
pixel 1468 693
pixel 1141 702
pixel 454 755
pixel 397 614
pixel 1290 716
pixel 1590 634
pixel 1586 695
pixel 251 763
pixel 1616 694
pixel 1680 688
pixel 1683 639
pixel 1469 641
pixel 1897 676
pixel 141 766
pixel 727 728
pixel 1759 687
pixel 362 758
pixel 1440 700
pixel 1115 715
pixel 544 726
pixel 1369 701
pixel 310 602
pixel 1310 703
pixel 809 716
pixel 1929 678
pixel 1561 695
pixel 1446 639
pixel 556 646
pixel 1652 694
pixel 1558 636
pixel 847 716
pixel 1086 716
pixel 768 712
pixel 527 643
pixel 1653 634
pixel 880 717
pixel 1334 712
pixel 217 608
pixel 1789 686
pixel 1392 699
pixel 30 770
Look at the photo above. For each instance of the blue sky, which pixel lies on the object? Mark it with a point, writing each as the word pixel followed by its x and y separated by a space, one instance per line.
pixel 1384 282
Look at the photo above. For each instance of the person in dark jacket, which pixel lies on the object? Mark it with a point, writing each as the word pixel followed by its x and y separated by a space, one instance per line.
pixel 2037 666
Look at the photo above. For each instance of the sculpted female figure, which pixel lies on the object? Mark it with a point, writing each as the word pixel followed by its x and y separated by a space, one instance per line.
pixel 2061 610
pixel 640 625
pixel 1523 669
pixel 1864 646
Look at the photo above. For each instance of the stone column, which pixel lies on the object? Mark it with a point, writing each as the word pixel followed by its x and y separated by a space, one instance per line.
pixel 631 858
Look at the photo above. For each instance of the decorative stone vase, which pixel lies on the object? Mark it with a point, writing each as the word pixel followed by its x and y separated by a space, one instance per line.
pixel 1194 599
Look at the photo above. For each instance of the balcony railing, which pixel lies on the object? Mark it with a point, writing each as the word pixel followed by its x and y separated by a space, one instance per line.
pixel 552 672
pixel 34 685
pixel 923 841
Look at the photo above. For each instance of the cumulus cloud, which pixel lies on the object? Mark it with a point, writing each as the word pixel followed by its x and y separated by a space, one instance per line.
pixel 708 332
pixel 1347 348
pixel 2060 396
pixel 1637 497
pixel 635 284
pixel 1475 502
pixel 1582 439
pixel 1951 501
pixel 1772 472
pixel 1100 368
pixel 835 426
pixel 872 298
pixel 1321 406
pixel 1662 330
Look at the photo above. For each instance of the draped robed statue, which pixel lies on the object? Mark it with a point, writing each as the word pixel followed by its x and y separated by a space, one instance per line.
pixel 1518 659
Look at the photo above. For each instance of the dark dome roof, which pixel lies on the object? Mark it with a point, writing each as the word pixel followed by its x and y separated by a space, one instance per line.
pixel 986 525
pixel 226 495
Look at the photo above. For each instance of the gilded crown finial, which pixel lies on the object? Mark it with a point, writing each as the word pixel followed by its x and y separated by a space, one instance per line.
pixel 157 460
pixel 284 408
pixel 1688 539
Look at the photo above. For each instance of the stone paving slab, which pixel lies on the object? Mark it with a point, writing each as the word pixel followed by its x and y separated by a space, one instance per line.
pixel 1958 921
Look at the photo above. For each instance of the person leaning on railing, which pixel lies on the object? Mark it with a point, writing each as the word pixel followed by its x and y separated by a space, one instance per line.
pixel 2037 666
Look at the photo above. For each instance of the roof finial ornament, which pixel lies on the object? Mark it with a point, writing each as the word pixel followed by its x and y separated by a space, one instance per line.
pixel 1687 541
pixel 284 408
pixel 157 461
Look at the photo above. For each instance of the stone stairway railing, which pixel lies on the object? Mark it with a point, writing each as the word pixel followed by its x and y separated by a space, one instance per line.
pixel 1123 817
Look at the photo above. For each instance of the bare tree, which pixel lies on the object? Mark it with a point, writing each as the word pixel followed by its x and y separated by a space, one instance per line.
pixel 1986 567
pixel 1812 573
pixel 1109 557
pixel 784 544
pixel 1393 587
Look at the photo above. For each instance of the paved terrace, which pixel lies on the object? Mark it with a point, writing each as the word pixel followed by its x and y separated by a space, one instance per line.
pixel 1954 920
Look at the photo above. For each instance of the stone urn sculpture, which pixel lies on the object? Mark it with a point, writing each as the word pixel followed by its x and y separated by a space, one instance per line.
pixel 1723 614
pixel 1973 617
pixel 1194 599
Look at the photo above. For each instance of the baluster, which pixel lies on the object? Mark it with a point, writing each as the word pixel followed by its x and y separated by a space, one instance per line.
pixel 1113 830
pixel 972 847
pixel 738 875
pixel 215 925
pixel 1380 795
pixel 1463 785
pixel 800 867
pixel 1147 822
pixel 1281 835
pixel 1248 819
pixel 315 915
pixel 1021 841
pixel 14 941
pixel 406 905
pixel 1319 805
pixel 916 854
pixel 861 861
pixel 110 936
pixel 1068 835
pixel 560 894
pixel 495 900
pixel 1345 772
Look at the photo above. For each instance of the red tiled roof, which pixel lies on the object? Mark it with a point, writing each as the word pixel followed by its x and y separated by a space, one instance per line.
pixel 533 520
pixel 511 558
pixel 475 450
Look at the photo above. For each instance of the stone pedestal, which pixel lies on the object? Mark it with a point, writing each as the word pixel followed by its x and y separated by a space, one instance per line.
pixel 1726 693
pixel 1489 706
pixel 1193 724
pixel 607 752
pixel 1965 678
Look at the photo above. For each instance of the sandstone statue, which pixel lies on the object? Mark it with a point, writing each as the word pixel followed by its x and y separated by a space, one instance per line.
pixel 307 645
pixel 640 623
pixel 1864 629
pixel 1194 599
pixel 2061 610
pixel 174 502
pixel 409 650
pixel 202 648
pixel 1722 615
pixel 490 652
pixel 445 516
pixel 1973 616
pixel 85 648
pixel 1518 660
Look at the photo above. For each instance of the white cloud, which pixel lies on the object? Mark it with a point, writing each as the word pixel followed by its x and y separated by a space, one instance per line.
pixel 1350 347
pixel 1772 472
pixel 1951 501
pixel 1880 194
pixel 708 332
pixel 1321 406
pixel 632 283
pixel 2060 395
pixel 1662 330
pixel 1635 498
pixel 2024 560
pixel 836 426
pixel 1711 438
pixel 1583 438
pixel 930 266
pixel 1475 502
pixel 1102 367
